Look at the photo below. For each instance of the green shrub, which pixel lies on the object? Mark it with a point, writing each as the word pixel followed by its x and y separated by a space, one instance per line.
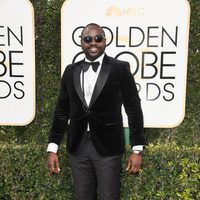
pixel 169 172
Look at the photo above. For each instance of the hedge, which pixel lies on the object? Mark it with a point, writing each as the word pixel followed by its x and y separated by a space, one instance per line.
pixel 169 172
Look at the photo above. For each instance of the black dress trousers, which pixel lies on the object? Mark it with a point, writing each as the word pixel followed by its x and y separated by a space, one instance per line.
pixel 92 172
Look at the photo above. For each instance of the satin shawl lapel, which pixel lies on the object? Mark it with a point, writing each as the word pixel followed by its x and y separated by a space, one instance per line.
pixel 101 80
pixel 77 83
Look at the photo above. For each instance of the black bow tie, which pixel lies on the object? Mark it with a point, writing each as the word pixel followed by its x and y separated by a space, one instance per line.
pixel 87 64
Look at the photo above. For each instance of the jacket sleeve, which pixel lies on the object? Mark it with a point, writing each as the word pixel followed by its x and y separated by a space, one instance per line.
pixel 132 105
pixel 61 114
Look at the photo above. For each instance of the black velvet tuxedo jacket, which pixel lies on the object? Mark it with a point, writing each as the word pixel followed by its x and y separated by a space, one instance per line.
pixel 115 85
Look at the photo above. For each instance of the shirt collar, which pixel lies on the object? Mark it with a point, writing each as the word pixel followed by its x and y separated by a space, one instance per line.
pixel 99 59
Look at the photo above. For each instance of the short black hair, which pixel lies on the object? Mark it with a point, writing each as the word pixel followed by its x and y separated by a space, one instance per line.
pixel 93 24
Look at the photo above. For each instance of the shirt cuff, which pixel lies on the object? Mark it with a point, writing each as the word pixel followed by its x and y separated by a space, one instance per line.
pixel 138 148
pixel 52 147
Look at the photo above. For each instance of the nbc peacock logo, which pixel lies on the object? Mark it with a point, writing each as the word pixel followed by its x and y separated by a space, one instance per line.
pixel 114 11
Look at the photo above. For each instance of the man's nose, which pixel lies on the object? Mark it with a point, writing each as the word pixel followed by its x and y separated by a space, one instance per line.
pixel 93 41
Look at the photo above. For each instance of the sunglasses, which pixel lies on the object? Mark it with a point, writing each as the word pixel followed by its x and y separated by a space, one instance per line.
pixel 87 39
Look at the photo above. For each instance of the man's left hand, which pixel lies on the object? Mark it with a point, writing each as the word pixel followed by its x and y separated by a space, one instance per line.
pixel 134 163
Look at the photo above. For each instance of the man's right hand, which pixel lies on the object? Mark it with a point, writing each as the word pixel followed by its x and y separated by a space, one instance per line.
pixel 53 163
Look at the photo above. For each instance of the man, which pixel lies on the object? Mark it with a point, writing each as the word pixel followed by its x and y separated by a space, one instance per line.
pixel 89 108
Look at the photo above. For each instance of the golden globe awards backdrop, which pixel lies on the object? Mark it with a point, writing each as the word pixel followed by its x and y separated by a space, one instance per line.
pixel 17 62
pixel 152 35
